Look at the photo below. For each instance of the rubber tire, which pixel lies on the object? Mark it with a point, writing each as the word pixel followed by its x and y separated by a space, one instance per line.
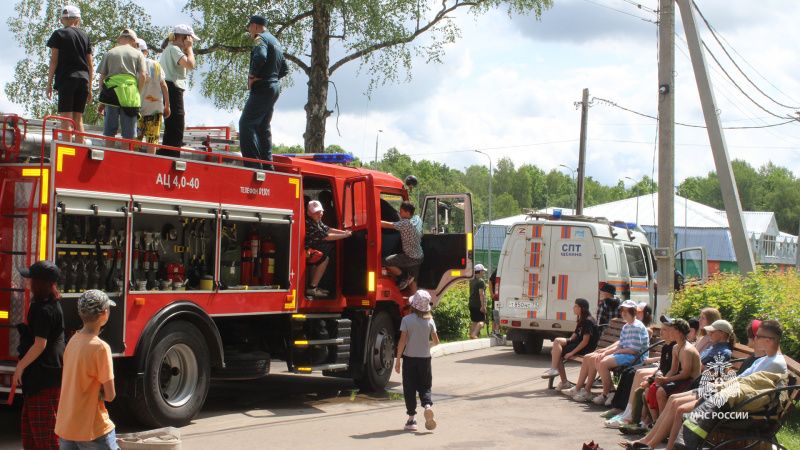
pixel 243 366
pixel 519 347
pixel 379 365
pixel 148 405
pixel 533 344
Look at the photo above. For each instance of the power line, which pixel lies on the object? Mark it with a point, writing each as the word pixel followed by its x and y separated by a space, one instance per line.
pixel 620 11
pixel 610 103
pixel 642 7
pixel 714 34
pixel 535 144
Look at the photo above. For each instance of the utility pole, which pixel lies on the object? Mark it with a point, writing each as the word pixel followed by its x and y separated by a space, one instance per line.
pixel 377 135
pixel 489 259
pixel 719 148
pixel 582 152
pixel 666 154
pixel 573 184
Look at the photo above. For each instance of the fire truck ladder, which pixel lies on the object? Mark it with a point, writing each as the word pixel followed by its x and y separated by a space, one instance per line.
pixel 302 347
pixel 18 207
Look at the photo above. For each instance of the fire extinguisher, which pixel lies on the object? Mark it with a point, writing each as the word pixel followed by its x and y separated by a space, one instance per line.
pixel 255 244
pixel 249 254
pixel 267 261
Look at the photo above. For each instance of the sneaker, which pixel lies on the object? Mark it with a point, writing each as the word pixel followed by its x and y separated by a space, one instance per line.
pixel 608 414
pixel 615 422
pixel 411 425
pixel 583 396
pixel 404 282
pixel 552 372
pixel 610 399
pixel 600 399
pixel 430 424
pixel 496 334
pixel 563 386
pixel 314 292
pixel 571 392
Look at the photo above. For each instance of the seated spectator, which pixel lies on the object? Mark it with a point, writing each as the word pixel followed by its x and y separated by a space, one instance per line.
pixel 722 342
pixel 633 339
pixel 669 423
pixel 681 374
pixel 752 331
pixel 694 325
pixel 318 247
pixel 608 305
pixel 644 314
pixel 707 317
pixel 583 341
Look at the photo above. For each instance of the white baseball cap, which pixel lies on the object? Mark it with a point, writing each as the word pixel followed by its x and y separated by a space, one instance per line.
pixel 480 268
pixel 141 44
pixel 70 11
pixel 314 206
pixel 185 29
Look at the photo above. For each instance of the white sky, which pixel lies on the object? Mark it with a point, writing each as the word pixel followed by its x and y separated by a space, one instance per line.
pixel 509 84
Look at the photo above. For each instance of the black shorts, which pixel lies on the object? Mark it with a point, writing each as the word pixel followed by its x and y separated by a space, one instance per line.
pixel 676 386
pixel 476 315
pixel 72 94
pixel 572 345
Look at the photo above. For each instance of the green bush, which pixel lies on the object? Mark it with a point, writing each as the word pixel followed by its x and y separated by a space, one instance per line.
pixel 768 294
pixel 452 313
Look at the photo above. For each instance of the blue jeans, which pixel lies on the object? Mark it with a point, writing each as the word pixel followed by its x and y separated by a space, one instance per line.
pixel 116 118
pixel 105 442
pixel 255 135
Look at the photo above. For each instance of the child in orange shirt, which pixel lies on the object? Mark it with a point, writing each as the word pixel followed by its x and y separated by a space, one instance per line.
pixel 88 380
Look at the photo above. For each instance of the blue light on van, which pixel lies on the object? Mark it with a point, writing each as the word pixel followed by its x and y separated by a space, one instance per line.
pixel 631 226
pixel 556 214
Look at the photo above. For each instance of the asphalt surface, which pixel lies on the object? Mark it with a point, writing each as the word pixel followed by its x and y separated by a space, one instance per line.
pixel 484 398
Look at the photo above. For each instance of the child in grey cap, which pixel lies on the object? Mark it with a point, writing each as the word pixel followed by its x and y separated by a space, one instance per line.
pixel 88 380
pixel 417 336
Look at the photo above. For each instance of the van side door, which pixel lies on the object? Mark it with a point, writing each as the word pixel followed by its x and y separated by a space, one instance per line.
pixel 446 243
pixel 638 281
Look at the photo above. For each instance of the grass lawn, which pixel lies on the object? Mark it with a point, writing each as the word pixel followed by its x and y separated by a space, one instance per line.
pixel 789 436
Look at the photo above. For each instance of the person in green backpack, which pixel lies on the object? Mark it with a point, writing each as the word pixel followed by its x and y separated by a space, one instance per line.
pixel 122 76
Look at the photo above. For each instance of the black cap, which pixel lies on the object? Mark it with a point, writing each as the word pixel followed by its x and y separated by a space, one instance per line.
pixel 258 20
pixel 609 288
pixel 694 323
pixel 44 270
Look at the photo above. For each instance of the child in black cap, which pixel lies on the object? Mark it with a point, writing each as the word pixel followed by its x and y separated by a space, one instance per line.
pixel 608 305
pixel 41 351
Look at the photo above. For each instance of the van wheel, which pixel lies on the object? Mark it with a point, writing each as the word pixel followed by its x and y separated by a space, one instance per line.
pixel 380 354
pixel 176 380
pixel 519 347
pixel 533 344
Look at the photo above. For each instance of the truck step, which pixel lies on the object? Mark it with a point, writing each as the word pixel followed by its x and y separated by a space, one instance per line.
pixel 319 368
pixel 301 317
pixel 309 343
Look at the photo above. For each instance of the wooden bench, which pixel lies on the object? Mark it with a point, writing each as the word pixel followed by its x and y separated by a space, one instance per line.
pixel 760 430
pixel 610 335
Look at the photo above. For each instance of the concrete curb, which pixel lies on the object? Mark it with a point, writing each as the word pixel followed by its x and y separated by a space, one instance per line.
pixel 465 346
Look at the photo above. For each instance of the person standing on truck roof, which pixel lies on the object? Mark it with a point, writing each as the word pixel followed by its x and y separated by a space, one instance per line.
pixel 608 306
pixel 267 66
pixel 410 228
pixel 41 353
pixel 176 60
pixel 121 79
pixel 317 249
pixel 155 100
pixel 71 65
pixel 477 302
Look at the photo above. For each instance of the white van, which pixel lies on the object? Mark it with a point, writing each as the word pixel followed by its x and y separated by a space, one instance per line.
pixel 546 264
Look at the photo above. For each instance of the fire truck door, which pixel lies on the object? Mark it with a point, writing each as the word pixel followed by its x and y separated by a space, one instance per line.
pixel 446 242
pixel 361 251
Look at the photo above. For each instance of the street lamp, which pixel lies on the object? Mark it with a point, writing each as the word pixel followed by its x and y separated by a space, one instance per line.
pixel 637 198
pixel 573 185
pixel 377 135
pixel 489 269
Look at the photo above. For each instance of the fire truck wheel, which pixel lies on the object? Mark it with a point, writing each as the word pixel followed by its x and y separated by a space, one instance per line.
pixel 380 354
pixel 533 344
pixel 519 347
pixel 176 377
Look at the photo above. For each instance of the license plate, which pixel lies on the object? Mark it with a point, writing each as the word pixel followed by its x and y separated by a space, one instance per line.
pixel 524 305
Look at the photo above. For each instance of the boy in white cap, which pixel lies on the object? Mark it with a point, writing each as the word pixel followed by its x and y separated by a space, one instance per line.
pixel 71 66
pixel 155 100
pixel 88 381
pixel 417 336
pixel 176 60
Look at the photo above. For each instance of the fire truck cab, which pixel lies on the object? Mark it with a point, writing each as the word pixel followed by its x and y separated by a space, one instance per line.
pixel 205 260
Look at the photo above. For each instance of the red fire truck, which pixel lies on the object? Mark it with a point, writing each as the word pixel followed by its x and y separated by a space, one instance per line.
pixel 206 262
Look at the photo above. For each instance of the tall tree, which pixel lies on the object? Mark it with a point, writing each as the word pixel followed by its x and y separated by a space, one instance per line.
pixel 381 35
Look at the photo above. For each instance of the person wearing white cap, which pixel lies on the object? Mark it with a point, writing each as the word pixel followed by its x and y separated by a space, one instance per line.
pixel 176 60
pixel 477 302
pixel 417 336
pixel 121 79
pixel 318 248
pixel 155 100
pixel 71 66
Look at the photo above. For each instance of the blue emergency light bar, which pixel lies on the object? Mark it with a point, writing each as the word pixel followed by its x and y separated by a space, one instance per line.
pixel 331 158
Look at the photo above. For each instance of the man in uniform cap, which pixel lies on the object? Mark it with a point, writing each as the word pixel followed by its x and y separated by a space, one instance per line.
pixel 267 66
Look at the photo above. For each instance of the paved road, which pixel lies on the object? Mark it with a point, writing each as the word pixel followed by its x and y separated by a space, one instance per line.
pixel 484 398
